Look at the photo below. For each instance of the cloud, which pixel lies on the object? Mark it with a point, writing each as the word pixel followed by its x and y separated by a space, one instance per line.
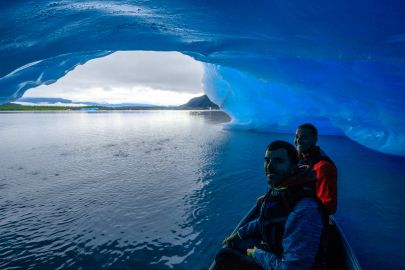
pixel 161 78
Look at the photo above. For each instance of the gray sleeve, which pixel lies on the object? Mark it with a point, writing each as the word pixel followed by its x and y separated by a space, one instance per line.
pixel 251 229
pixel 303 230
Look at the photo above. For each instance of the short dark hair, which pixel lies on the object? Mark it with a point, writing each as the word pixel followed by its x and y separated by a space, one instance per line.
pixel 291 151
pixel 309 126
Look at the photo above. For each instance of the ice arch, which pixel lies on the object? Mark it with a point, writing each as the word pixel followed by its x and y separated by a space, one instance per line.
pixel 272 63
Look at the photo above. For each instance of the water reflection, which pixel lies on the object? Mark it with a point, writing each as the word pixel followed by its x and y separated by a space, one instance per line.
pixel 101 190
pixel 140 191
pixel 211 116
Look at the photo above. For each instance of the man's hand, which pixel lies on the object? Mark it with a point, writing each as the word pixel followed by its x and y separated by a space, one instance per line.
pixel 231 240
pixel 303 167
pixel 250 251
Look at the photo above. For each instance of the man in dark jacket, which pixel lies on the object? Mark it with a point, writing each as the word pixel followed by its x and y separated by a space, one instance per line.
pixel 287 232
pixel 313 158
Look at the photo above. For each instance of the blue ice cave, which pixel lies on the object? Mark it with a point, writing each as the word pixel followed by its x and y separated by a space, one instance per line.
pixel 269 64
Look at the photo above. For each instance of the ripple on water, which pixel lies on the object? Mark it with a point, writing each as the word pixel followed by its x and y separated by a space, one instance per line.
pixel 126 201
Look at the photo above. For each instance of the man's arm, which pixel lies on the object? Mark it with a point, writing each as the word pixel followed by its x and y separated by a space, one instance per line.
pixel 303 230
pixel 326 186
pixel 250 229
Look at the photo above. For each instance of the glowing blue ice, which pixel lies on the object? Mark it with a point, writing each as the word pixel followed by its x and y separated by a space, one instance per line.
pixel 367 111
pixel 272 64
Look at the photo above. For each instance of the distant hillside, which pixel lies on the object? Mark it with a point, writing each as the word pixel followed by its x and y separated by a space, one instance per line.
pixel 18 107
pixel 202 102
pixel 67 102
pixel 45 100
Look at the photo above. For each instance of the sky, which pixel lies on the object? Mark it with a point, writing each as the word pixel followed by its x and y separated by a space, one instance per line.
pixel 139 77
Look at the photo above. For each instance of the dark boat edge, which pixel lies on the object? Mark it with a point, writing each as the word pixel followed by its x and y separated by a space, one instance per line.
pixel 249 216
pixel 349 257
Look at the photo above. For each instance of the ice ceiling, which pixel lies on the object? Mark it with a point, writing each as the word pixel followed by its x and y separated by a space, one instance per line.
pixel 270 64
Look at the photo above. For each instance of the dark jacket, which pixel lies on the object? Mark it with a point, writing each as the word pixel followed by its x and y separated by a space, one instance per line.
pixel 290 225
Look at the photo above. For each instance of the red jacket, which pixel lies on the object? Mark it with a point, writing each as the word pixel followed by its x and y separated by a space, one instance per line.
pixel 326 174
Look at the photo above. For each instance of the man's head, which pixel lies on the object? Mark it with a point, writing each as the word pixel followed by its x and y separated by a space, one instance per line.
pixel 280 162
pixel 306 137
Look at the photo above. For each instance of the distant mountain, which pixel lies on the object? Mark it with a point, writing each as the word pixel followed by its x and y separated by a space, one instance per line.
pixel 44 100
pixel 202 102
pixel 67 102
pixel 118 105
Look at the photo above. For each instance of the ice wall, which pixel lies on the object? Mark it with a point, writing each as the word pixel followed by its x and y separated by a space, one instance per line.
pixel 359 103
pixel 272 64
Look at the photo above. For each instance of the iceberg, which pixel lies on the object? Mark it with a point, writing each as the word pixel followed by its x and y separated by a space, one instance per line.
pixel 270 65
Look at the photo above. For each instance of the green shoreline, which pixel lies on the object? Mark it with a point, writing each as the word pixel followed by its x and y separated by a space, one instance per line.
pixel 17 107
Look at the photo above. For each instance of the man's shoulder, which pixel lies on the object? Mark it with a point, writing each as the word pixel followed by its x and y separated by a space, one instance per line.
pixel 306 210
pixel 306 202
pixel 324 162
pixel 325 167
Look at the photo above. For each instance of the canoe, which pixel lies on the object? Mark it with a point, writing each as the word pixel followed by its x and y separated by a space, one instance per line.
pixel 340 254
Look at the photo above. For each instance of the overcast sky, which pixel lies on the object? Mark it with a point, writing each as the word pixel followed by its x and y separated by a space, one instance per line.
pixel 160 78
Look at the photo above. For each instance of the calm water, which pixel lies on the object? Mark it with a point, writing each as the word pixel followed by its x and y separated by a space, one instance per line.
pixel 161 189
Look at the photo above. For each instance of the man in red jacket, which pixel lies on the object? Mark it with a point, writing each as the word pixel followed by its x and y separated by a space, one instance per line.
pixel 315 159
